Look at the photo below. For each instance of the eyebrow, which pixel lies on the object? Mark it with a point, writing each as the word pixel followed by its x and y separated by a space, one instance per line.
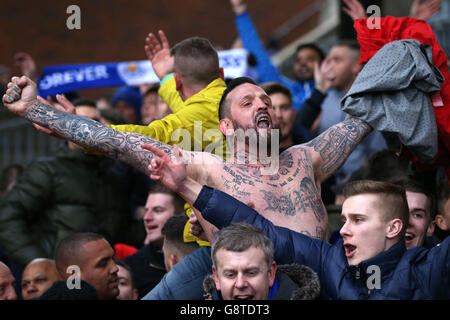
pixel 352 215
pixel 102 260
pixel 414 210
pixel 248 96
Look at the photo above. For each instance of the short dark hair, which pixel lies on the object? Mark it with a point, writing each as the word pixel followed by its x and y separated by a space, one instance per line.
pixel 392 196
pixel 311 46
pixel 276 87
pixel 128 268
pixel 178 202
pixel 384 165
pixel 173 231
pixel 239 237
pixel 196 61
pixel 152 90
pixel 84 102
pixel 415 185
pixel 67 251
pixel 224 106
pixel 351 44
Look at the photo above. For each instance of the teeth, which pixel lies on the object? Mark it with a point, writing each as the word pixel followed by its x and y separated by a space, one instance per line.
pixel 242 297
pixel 409 235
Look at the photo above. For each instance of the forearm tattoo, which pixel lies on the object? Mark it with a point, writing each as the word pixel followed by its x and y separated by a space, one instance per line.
pixel 336 144
pixel 96 136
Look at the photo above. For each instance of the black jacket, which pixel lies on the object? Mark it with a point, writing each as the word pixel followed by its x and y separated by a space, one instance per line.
pixel 68 193
pixel 147 266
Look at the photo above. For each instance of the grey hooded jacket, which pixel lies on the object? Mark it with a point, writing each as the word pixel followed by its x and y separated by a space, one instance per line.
pixel 391 93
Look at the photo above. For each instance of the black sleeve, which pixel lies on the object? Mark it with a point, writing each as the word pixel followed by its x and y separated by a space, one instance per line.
pixel 310 109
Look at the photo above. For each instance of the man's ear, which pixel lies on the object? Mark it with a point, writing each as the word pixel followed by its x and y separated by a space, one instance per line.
pixel 178 81
pixel 216 278
pixel 221 73
pixel 173 260
pixel 440 222
pixel 394 228
pixel 430 228
pixel 226 127
pixel 135 294
pixel 272 273
pixel 356 68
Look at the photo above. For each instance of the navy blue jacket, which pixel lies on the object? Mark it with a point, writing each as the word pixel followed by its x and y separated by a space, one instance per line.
pixel 416 273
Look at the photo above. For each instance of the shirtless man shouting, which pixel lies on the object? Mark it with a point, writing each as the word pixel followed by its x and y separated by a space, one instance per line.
pixel 289 198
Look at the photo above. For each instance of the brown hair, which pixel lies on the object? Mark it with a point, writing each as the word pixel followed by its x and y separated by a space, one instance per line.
pixel 196 61
pixel 239 237
pixel 276 87
pixel 178 202
pixel 392 200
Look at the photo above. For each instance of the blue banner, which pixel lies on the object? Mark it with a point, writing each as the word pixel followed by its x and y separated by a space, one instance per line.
pixel 64 78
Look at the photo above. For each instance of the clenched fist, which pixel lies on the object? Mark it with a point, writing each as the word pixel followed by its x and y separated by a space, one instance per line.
pixel 20 95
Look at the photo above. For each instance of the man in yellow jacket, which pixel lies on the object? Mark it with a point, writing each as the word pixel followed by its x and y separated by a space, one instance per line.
pixel 192 85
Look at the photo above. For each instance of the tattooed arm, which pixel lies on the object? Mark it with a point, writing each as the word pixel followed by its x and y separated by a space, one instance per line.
pixel 330 150
pixel 20 98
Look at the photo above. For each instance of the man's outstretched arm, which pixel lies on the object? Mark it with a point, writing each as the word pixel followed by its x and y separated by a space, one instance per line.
pixel 20 98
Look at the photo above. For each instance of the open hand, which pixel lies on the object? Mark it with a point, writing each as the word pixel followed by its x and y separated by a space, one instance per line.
pixel 424 10
pixel 322 84
pixel 354 9
pixel 238 6
pixel 158 52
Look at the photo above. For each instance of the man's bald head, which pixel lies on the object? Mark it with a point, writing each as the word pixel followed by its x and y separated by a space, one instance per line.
pixel 37 277
pixel 7 291
pixel 69 251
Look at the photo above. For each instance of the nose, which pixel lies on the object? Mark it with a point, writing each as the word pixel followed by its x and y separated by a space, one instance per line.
pixel 114 268
pixel 261 105
pixel 345 230
pixel 411 221
pixel 31 288
pixel 277 113
pixel 148 216
pixel 11 295
pixel 241 282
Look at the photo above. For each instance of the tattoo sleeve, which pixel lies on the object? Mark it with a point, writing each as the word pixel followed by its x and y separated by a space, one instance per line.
pixel 96 136
pixel 331 148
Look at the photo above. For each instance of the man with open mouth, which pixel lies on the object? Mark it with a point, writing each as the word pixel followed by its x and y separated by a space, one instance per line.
pixel 422 209
pixel 369 262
